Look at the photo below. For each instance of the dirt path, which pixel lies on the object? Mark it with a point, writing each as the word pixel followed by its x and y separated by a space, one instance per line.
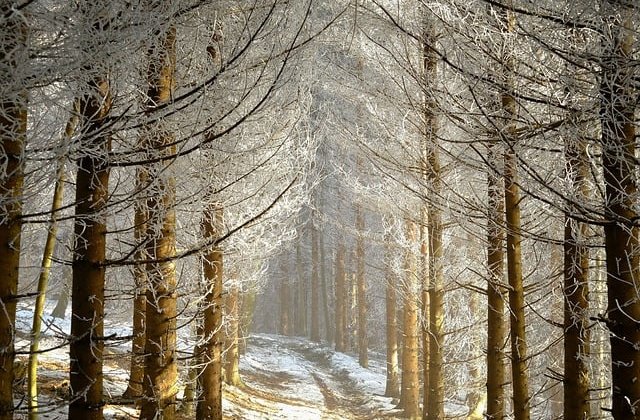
pixel 317 381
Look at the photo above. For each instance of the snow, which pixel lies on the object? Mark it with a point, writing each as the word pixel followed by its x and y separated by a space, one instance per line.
pixel 283 377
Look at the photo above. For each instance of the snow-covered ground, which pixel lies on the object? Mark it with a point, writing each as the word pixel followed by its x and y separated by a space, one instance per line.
pixel 297 379
pixel 284 378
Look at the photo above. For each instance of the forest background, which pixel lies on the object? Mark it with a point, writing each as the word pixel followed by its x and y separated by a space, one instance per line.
pixel 451 182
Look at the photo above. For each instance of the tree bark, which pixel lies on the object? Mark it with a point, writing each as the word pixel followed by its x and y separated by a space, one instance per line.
pixel 341 300
pixel 209 404
pixel 136 369
pixel 392 388
pixel 87 291
pixel 325 292
pixel 45 269
pixel 496 291
pixel 618 108
pixel 363 357
pixel 300 310
pixel 285 300
pixel 425 310
pixel 521 403
pixel 576 290
pixel 232 358
pixel 13 127
pixel 410 392
pixel 432 176
pixel 161 370
pixel 315 287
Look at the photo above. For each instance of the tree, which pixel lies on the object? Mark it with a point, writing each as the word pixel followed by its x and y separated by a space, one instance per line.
pixel 361 286
pixel 209 353
pixel 91 199
pixel 432 175
pixel 315 284
pixel 13 128
pixel 341 300
pixel 496 325
pixel 45 271
pixel 392 387
pixel 136 370
pixel 232 356
pixel 618 142
pixel 577 336
pixel 410 387
pixel 160 376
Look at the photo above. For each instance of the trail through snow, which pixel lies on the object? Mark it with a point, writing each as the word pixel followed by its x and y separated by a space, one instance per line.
pixel 292 378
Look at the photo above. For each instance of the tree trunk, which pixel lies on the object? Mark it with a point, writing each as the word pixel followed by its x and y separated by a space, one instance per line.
pixel 136 369
pixel 301 295
pixel 232 358
pixel 210 352
pixel 521 403
pixel 13 127
pixel 436 317
pixel 496 290
pixel 425 310
pixel 87 290
pixel 285 300
pixel 392 388
pixel 352 316
pixel 45 270
pixel 516 288
pixel 576 290
pixel 432 175
pixel 161 370
pixel 410 392
pixel 315 287
pixel 363 357
pixel 325 292
pixel 618 106
pixel 341 300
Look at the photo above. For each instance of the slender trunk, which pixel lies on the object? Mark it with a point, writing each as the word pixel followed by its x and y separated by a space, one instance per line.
pixel 301 295
pixel 13 127
pixel 476 397
pixel 516 289
pixel 232 358
pixel 363 357
pixel 161 370
pixel 45 270
pixel 341 300
pixel 576 291
pixel 425 311
pixel 136 369
pixel 618 109
pixel 519 374
pixel 315 267
pixel 352 316
pixel 210 352
pixel 496 290
pixel 432 175
pixel 410 392
pixel 285 300
pixel 436 317
pixel 324 293
pixel 392 388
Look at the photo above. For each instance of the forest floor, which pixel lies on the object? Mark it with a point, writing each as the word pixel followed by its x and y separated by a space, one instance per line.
pixel 292 378
pixel 283 378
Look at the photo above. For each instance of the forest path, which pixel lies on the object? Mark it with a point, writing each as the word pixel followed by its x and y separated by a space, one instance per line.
pixel 290 377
